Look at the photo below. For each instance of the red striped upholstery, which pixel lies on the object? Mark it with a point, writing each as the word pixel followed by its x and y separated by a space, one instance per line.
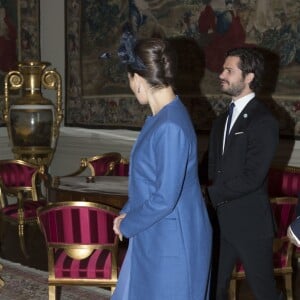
pixel 280 257
pixel 121 169
pixel 78 224
pixel 19 180
pixel 102 164
pixel 69 224
pixel 15 175
pixel 98 265
pixel 284 213
pixel 284 182
pixel 29 207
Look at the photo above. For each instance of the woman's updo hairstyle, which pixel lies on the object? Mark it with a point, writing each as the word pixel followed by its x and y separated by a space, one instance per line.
pixel 159 60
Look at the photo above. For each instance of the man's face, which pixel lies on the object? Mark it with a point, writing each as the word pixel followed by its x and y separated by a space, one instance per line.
pixel 232 81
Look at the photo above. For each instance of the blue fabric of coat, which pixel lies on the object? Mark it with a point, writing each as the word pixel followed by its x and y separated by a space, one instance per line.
pixel 167 223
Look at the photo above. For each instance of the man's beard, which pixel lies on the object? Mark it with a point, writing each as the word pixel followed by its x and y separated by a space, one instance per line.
pixel 235 89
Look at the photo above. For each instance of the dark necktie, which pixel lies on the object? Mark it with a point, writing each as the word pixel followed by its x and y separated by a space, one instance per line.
pixel 230 111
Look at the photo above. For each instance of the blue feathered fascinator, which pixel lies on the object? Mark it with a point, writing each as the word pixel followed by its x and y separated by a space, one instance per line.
pixel 126 52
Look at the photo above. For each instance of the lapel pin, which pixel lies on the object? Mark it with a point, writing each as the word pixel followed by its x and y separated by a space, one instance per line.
pixel 245 116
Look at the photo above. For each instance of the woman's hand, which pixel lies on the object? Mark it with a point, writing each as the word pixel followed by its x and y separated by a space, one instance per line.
pixel 116 227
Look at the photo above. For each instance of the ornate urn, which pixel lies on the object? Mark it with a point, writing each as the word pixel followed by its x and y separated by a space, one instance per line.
pixel 32 120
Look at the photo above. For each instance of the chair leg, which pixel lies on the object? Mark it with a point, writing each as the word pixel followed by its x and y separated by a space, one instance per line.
pixel 52 292
pixel 22 237
pixel 21 219
pixel 1 280
pixel 288 286
pixel 232 289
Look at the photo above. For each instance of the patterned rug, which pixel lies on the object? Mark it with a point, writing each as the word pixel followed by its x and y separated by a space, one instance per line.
pixel 24 283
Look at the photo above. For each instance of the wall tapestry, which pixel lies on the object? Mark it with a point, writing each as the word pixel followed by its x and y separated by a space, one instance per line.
pixel 97 93
pixel 19 36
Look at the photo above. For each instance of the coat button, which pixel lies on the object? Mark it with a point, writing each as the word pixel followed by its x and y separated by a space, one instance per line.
pixel 219 171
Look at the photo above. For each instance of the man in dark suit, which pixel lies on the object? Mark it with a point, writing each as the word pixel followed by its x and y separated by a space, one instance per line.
pixel 239 160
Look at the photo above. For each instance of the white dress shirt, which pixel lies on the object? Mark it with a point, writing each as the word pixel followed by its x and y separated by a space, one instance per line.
pixel 238 108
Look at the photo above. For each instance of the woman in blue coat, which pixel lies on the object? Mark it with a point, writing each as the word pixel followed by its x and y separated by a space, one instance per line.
pixel 165 218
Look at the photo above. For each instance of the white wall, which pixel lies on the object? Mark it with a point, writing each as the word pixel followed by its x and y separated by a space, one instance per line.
pixel 52 34
pixel 75 143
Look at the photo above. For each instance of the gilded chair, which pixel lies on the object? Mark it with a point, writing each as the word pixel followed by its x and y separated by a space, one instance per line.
pixel 99 165
pixel 284 211
pixel 20 195
pixel 285 182
pixel 82 246
pixel 121 168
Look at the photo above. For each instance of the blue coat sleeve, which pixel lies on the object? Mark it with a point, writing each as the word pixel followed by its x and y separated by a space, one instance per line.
pixel 171 148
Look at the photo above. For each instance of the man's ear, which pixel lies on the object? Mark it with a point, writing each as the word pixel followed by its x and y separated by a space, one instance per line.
pixel 249 77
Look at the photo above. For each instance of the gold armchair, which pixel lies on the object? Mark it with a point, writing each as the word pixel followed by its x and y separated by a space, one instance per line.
pixel 121 168
pixel 20 195
pixel 82 246
pixel 99 165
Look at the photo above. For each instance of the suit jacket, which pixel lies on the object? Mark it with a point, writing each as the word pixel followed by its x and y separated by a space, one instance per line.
pixel 167 222
pixel 239 175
